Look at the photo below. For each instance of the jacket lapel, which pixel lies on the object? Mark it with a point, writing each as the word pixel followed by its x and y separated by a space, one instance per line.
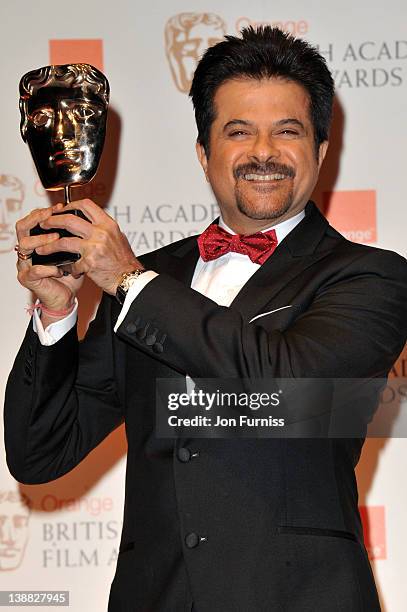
pixel 298 251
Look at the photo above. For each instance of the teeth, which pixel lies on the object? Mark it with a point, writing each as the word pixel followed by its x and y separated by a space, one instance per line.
pixel 264 177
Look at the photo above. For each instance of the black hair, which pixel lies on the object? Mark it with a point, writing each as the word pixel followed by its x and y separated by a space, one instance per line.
pixel 259 53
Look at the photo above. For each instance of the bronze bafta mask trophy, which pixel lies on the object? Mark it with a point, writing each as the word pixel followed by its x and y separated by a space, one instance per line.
pixel 63 121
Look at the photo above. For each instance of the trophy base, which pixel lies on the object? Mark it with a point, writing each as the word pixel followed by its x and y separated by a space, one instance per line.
pixel 61 258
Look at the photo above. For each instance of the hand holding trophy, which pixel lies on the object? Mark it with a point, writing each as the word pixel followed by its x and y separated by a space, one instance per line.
pixel 63 120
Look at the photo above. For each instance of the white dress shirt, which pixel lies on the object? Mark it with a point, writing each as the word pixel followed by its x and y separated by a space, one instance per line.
pixel 219 279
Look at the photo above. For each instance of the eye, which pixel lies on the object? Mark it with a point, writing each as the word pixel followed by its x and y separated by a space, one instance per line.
pixel 41 118
pixel 20 521
pixel 13 205
pixel 238 133
pixel 290 132
pixel 83 113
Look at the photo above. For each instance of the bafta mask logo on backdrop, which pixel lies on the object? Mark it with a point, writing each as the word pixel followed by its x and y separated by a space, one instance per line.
pixel 187 35
pixel 11 202
pixel 14 521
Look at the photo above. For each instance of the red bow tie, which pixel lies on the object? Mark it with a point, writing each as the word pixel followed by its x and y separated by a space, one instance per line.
pixel 215 242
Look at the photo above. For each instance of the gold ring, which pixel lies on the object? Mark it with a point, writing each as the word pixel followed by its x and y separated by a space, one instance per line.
pixel 23 256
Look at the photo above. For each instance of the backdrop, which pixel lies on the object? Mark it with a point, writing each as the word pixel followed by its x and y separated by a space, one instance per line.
pixel 64 535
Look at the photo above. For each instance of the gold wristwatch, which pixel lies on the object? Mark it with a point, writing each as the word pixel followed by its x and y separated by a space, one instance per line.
pixel 125 282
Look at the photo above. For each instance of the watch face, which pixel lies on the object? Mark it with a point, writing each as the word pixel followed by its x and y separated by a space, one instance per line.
pixel 127 281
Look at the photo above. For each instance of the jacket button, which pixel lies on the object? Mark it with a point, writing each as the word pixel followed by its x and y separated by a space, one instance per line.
pixel 184 455
pixel 192 540
pixel 150 340
pixel 131 328
pixel 141 333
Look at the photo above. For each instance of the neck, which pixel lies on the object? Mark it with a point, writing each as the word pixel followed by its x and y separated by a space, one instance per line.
pixel 245 225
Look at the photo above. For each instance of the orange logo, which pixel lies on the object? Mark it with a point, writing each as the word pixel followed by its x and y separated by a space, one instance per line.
pixel 374 531
pixel 296 28
pixel 352 213
pixel 11 202
pixel 14 519
pixel 79 51
pixel 187 36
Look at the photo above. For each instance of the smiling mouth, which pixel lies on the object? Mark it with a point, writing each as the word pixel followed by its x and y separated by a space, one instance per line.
pixel 264 177
pixel 9 552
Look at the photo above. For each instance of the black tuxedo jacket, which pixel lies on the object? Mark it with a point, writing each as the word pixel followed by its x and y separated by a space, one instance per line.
pixel 230 525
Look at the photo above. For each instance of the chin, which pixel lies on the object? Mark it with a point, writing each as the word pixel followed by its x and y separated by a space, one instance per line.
pixel 260 213
pixel 267 206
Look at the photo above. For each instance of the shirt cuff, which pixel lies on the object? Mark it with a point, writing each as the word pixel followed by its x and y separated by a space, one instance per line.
pixel 132 293
pixel 55 331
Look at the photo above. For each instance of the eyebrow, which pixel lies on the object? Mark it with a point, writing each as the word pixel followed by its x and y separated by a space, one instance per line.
pixel 281 122
pixel 291 121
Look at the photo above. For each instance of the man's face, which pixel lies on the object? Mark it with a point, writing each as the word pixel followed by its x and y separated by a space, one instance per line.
pixel 262 164
pixel 188 48
pixel 14 517
pixel 65 133
pixel 11 200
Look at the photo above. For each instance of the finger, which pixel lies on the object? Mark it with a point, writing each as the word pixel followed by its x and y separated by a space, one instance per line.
pixel 68 245
pixel 38 272
pixel 35 273
pixel 74 224
pixel 75 275
pixel 36 216
pixel 28 244
pixel 91 210
pixel 68 270
pixel 23 264
pixel 79 268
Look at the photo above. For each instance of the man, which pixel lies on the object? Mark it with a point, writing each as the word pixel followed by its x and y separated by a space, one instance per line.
pixel 212 524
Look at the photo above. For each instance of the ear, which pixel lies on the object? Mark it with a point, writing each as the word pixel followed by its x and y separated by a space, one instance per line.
pixel 323 148
pixel 203 160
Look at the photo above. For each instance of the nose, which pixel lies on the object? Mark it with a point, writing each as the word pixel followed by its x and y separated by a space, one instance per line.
pixel 3 216
pixel 7 535
pixel 263 149
pixel 63 128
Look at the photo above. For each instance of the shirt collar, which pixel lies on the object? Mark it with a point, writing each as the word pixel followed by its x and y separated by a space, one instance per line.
pixel 282 229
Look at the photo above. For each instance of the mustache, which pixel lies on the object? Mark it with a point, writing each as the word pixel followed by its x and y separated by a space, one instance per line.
pixel 266 168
